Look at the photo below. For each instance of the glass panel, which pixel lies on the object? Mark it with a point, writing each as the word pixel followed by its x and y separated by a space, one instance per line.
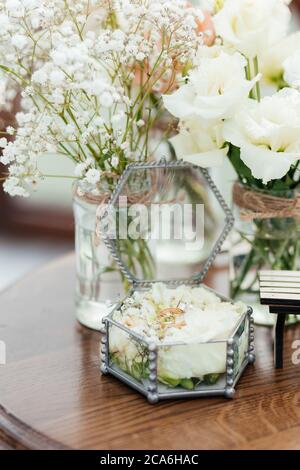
pixel 168 220
pixel 191 367
pixel 241 344
pixel 128 354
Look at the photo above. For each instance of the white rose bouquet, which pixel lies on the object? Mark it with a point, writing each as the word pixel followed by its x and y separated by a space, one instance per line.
pixel 224 113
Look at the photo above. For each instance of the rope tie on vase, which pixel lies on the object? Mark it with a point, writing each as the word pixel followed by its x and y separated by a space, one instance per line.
pixel 259 205
pixel 91 198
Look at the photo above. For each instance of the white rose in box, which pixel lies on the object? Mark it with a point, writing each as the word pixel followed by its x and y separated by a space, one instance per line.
pixel 192 342
pixel 267 134
pixel 214 90
pixel 251 26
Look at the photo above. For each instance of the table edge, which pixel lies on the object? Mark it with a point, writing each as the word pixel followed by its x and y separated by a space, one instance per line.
pixel 14 429
pixel 24 435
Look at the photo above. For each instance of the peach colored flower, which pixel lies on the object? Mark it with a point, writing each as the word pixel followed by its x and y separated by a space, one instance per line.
pixel 207 28
pixel 166 85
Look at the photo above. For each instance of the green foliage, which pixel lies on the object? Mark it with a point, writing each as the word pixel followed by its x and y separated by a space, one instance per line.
pixel 211 379
pixel 188 384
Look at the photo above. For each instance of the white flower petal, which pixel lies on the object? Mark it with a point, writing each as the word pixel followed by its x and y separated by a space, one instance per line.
pixel 291 68
pixel 251 26
pixel 215 90
pixel 180 103
pixel 268 134
pixel 265 164
pixel 213 158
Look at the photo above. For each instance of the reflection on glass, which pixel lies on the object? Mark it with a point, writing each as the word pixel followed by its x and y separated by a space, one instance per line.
pixel 168 221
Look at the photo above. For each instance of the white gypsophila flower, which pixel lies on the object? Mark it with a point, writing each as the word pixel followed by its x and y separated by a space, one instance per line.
pixel 40 76
pixel 12 186
pixel 106 99
pixel 57 77
pixel 7 93
pixel 115 161
pixel 267 134
pixel 80 170
pixel 10 130
pixel 251 26
pixel 19 41
pixel 82 80
pixel 200 145
pixel 291 70
pixel 215 89
pixel 92 176
pixel 3 142
pixel 15 7
pixel 271 60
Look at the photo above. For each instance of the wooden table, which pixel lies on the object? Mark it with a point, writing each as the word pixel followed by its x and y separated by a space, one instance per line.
pixel 52 395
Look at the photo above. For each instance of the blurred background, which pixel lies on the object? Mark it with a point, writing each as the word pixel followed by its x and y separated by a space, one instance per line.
pixel 36 230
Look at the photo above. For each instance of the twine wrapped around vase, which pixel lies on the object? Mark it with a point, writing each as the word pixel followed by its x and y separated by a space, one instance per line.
pixel 91 198
pixel 260 205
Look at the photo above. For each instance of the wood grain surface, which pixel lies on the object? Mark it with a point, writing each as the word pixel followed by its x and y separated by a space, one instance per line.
pixel 52 395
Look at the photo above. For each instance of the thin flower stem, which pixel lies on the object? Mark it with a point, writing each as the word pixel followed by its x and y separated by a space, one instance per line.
pixel 60 176
pixel 247 264
pixel 249 77
pixel 256 72
pixel 74 20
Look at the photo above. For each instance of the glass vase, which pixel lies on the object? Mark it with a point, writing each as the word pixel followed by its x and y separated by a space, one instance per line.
pixel 154 254
pixel 272 244
pixel 98 282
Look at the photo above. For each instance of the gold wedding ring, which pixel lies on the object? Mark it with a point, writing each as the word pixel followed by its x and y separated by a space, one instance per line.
pixel 171 310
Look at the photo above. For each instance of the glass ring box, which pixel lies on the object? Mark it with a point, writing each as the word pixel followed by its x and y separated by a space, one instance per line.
pixel 171 337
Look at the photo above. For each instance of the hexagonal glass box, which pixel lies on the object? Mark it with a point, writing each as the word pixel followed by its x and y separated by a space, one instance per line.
pixel 172 336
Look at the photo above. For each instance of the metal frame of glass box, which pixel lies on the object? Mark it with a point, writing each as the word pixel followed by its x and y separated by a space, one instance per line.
pixel 151 388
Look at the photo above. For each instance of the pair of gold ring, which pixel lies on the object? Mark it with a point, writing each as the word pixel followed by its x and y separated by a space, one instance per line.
pixel 172 310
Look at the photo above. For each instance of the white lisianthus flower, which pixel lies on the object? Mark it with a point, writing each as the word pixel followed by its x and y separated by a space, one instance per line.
pixel 214 91
pixel 250 26
pixel 199 145
pixel 291 70
pixel 267 134
pixel 272 60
